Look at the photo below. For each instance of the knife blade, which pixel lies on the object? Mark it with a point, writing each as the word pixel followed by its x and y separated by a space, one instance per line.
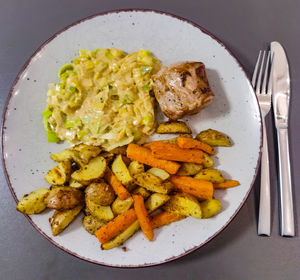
pixel 280 100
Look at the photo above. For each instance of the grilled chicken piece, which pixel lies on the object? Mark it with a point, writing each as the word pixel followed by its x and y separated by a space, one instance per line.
pixel 182 89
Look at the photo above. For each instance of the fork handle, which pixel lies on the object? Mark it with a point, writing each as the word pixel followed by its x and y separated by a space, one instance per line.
pixel 285 184
pixel 264 218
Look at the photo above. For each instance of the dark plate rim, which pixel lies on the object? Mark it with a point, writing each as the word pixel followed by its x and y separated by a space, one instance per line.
pixel 23 69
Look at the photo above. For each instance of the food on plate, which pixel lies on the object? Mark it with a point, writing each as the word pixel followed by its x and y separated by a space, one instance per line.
pixel 214 138
pixel 34 202
pixel 173 152
pixel 210 174
pixel 59 174
pixel 190 143
pixel 152 183
pixel 199 188
pixel 61 219
pixel 226 184
pixel 182 89
pixel 144 155
pixel 173 127
pixel 120 190
pixel 142 216
pixel 91 224
pixel 189 169
pixel 100 192
pixel 95 169
pixel 210 208
pixel 103 98
pixel 184 204
pixel 62 198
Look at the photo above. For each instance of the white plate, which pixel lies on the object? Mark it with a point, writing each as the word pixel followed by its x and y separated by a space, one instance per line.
pixel 172 39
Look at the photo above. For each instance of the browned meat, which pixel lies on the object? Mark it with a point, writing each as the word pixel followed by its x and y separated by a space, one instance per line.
pixel 182 89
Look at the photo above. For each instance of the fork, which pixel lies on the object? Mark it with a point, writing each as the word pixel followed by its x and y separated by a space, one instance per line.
pixel 263 92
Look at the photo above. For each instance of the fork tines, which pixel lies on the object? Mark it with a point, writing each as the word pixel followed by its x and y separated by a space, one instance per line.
pixel 263 64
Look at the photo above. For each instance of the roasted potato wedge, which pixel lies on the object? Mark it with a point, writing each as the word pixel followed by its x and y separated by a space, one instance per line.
pixel 121 171
pixel 214 138
pixel 210 174
pixel 93 170
pixel 34 202
pixel 135 167
pixel 122 237
pixel 63 155
pixel 91 224
pixel 162 174
pixel 173 127
pixel 61 219
pixel 62 198
pixel 142 191
pixel 208 161
pixel 101 212
pixel 119 206
pixel 85 153
pixel 189 169
pixel 184 204
pixel 152 183
pixel 60 174
pixel 155 201
pixel 74 184
pixel 100 192
pixel 210 208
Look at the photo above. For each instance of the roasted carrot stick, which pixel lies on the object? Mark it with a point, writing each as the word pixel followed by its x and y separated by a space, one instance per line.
pixel 198 188
pixel 226 184
pixel 190 143
pixel 142 216
pixel 116 226
pixel 144 155
pixel 119 189
pixel 173 152
pixel 165 218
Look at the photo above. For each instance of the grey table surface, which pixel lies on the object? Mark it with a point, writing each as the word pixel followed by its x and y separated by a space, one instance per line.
pixel 236 253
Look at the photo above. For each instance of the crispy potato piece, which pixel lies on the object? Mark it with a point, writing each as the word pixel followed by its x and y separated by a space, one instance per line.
pixel 109 157
pixel 173 127
pixel 34 202
pixel 93 170
pixel 74 184
pixel 85 152
pixel 122 237
pixel 61 219
pixel 91 224
pixel 135 167
pixel 152 183
pixel 101 193
pixel 184 204
pixel 101 212
pixel 162 174
pixel 119 206
pixel 214 138
pixel 208 161
pixel 119 168
pixel 60 174
pixel 141 191
pixel 119 150
pixel 62 198
pixel 63 155
pixel 210 174
pixel 189 169
pixel 155 201
pixel 210 208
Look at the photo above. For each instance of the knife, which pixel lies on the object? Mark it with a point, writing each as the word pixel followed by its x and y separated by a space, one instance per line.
pixel 280 99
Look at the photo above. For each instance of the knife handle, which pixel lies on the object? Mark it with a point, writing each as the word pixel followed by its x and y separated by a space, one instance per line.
pixel 264 217
pixel 285 184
